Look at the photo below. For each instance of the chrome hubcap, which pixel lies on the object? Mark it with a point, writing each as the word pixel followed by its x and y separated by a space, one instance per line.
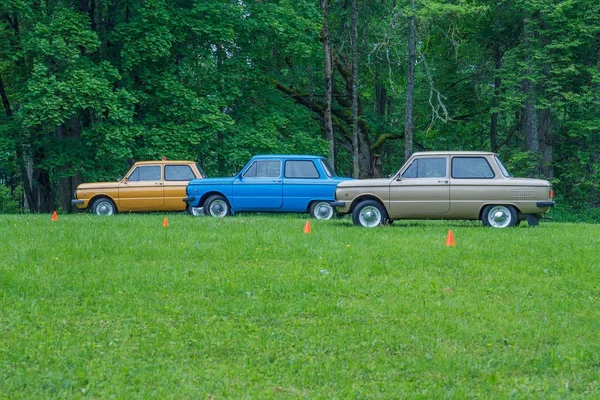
pixel 499 217
pixel 323 211
pixel 370 216
pixel 218 209
pixel 104 209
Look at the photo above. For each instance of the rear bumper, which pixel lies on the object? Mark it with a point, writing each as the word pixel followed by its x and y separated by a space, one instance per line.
pixel 189 199
pixel 545 204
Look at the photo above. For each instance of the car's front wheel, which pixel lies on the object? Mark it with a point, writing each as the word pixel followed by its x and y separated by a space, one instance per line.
pixel 369 213
pixel 499 216
pixel 216 206
pixel 321 210
pixel 104 206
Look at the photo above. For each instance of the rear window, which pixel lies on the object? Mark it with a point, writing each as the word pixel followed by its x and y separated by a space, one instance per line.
pixel 471 168
pixel 178 173
pixel 301 169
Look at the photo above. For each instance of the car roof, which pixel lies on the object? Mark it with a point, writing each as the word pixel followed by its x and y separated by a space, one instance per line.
pixel 287 156
pixel 165 162
pixel 453 153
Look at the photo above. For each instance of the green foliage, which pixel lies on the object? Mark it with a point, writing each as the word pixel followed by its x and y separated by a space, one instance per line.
pixel 9 200
pixel 93 85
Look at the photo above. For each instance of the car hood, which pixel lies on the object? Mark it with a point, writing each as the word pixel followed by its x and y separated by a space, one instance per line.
pixel 213 181
pixel 98 185
pixel 527 181
pixel 365 182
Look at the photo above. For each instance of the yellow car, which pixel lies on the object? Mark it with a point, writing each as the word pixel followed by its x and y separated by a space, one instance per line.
pixel 148 186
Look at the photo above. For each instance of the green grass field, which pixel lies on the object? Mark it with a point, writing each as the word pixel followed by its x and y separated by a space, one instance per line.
pixel 251 307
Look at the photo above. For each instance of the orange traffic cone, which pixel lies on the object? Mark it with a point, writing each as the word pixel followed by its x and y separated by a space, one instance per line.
pixel 307 227
pixel 166 222
pixel 54 217
pixel 450 239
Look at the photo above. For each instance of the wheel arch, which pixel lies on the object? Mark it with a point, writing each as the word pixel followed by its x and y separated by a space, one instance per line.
pixel 364 197
pixel 102 196
pixel 213 193
pixel 501 203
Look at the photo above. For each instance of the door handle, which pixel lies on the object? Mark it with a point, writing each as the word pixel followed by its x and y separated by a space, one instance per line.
pixel 443 181
pixel 277 180
pixel 158 183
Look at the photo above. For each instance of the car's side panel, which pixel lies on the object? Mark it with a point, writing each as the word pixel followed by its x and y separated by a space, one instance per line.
pixel 299 193
pixel 174 191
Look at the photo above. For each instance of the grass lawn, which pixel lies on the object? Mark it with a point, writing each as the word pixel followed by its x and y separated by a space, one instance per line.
pixel 251 307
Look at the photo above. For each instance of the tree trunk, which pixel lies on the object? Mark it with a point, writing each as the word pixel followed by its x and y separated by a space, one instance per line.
pixel 19 154
pixel 355 142
pixel 545 135
pixel 410 83
pixel 530 122
pixel 497 82
pixel 328 83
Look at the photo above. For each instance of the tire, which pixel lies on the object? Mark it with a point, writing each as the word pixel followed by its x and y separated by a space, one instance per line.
pixel 499 216
pixel 104 207
pixel 369 213
pixel 194 211
pixel 321 210
pixel 216 206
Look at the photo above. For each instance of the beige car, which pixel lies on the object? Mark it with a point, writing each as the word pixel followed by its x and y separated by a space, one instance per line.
pixel 447 185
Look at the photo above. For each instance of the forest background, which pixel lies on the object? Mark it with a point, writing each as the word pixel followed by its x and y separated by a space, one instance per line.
pixel 88 86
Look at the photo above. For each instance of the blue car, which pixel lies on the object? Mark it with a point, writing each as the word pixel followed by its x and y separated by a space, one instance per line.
pixel 270 183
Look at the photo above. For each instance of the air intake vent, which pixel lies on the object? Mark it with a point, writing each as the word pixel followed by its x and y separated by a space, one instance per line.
pixel 520 194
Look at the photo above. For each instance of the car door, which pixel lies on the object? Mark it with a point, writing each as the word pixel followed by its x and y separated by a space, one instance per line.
pixel 259 187
pixel 422 189
pixel 142 189
pixel 176 178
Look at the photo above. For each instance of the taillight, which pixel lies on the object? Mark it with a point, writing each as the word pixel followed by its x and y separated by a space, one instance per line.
pixel 551 194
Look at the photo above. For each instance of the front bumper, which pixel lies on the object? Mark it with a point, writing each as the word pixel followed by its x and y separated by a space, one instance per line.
pixel 77 203
pixel 189 199
pixel 342 207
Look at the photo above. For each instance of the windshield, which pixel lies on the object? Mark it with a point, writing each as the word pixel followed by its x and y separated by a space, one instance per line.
pixel 327 167
pixel 502 167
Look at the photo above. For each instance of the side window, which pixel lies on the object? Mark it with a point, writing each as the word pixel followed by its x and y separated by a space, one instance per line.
pixel 426 168
pixel 301 169
pixel 178 173
pixel 264 169
pixel 471 168
pixel 145 173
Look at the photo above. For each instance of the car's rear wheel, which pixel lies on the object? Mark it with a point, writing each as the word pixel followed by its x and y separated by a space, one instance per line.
pixel 195 211
pixel 499 216
pixel 321 210
pixel 104 207
pixel 216 206
pixel 369 213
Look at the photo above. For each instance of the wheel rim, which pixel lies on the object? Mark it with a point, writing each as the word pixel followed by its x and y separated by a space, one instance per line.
pixel 218 208
pixel 196 211
pixel 499 217
pixel 370 216
pixel 323 211
pixel 104 208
